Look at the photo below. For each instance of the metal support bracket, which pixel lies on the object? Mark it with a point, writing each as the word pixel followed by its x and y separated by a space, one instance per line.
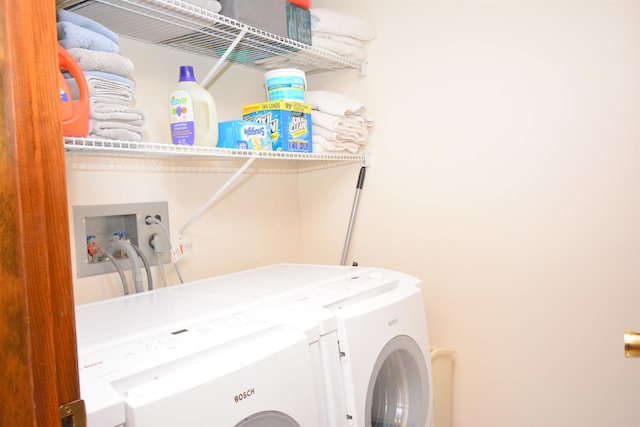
pixel 209 77
pixel 217 195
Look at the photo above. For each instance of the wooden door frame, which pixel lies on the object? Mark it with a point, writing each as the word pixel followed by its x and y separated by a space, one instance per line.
pixel 37 327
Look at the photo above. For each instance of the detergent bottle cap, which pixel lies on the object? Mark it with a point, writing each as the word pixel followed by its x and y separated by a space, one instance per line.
pixel 186 74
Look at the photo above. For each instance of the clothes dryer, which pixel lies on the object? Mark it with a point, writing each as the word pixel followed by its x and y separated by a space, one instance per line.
pixel 175 359
pixel 383 345
pixel 373 336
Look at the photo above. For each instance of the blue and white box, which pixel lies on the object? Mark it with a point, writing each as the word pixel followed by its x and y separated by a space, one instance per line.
pixel 244 135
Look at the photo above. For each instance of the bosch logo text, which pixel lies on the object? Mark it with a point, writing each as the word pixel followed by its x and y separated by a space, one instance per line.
pixel 244 395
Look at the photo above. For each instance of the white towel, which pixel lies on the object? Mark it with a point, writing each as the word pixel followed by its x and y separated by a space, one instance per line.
pixel 343 49
pixel 338 137
pixel 341 24
pixel 116 130
pixel 337 38
pixel 321 143
pixel 108 62
pixel 100 83
pixel 101 111
pixel 110 77
pixel 84 22
pixel 109 100
pixel 337 104
pixel 119 93
pixel 71 35
pixel 340 128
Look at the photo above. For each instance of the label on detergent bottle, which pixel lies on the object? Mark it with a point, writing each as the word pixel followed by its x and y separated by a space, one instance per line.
pixel 181 118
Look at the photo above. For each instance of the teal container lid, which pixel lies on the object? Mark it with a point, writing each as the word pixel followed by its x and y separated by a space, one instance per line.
pixel 186 74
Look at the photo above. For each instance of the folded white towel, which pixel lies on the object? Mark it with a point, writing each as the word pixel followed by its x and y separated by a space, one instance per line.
pixel 100 110
pixel 339 127
pixel 71 35
pixel 343 49
pixel 115 130
pixel 84 22
pixel 321 143
pixel 341 24
pixel 108 62
pixel 110 77
pixel 339 137
pixel 337 38
pixel 337 104
pixel 119 93
pixel 103 90
pixel 110 100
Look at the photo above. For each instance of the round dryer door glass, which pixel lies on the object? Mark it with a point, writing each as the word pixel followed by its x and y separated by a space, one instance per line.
pixel 268 419
pixel 398 394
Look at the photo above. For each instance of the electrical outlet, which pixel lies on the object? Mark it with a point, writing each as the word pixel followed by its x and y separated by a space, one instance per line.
pixel 96 227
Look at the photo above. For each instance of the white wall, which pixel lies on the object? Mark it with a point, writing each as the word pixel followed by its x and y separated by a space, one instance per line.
pixel 255 222
pixel 506 175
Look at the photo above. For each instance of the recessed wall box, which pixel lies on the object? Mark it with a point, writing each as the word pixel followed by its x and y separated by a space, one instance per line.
pixel 99 224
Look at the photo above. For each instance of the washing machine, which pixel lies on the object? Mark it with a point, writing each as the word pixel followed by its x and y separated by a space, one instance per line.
pixel 373 344
pixel 177 359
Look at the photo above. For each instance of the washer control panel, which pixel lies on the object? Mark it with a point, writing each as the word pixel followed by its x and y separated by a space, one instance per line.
pixel 126 356
pixel 344 291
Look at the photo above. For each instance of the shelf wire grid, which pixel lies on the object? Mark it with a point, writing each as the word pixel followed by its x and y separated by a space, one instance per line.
pixel 183 26
pixel 150 149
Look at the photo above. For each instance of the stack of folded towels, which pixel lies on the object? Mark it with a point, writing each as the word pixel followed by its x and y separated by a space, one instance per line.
pixel 340 33
pixel 111 92
pixel 339 123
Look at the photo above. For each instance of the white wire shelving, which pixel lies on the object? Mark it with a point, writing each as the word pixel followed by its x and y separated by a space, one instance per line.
pixel 183 26
pixel 157 150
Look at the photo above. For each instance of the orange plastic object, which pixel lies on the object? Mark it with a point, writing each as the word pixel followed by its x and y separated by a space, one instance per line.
pixel 305 4
pixel 75 113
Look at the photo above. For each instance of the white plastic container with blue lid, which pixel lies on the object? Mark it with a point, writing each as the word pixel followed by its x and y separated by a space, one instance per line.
pixel 286 84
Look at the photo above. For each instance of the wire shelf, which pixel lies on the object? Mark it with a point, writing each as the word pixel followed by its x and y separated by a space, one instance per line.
pixel 183 26
pixel 155 150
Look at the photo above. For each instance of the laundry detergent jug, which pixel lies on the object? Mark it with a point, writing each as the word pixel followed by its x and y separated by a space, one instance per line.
pixel 75 112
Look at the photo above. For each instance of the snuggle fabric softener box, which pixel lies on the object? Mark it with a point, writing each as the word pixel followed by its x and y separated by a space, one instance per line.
pixel 244 135
pixel 289 123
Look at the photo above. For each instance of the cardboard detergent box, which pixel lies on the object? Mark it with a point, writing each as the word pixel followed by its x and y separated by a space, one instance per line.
pixel 244 135
pixel 288 122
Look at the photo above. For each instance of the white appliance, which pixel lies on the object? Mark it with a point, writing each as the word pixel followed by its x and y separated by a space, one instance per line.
pixel 374 345
pixel 169 358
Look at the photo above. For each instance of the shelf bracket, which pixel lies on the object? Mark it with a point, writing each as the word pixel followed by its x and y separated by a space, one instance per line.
pixel 364 68
pixel 209 77
pixel 217 195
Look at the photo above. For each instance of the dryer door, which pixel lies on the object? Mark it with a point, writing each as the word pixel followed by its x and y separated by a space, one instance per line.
pixel 268 419
pixel 399 386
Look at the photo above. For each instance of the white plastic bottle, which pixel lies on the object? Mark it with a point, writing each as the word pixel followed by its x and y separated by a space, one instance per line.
pixel 192 112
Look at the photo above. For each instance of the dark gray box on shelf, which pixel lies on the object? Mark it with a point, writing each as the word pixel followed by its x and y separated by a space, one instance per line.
pixel 298 23
pixel 274 16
